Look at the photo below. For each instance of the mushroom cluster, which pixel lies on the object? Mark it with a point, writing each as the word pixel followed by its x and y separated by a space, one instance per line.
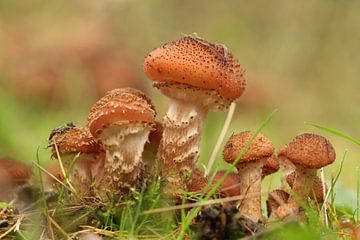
pixel 123 145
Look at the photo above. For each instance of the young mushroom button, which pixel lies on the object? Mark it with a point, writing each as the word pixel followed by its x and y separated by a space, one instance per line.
pixel 308 152
pixel 196 75
pixel 70 141
pixel 250 168
pixel 122 121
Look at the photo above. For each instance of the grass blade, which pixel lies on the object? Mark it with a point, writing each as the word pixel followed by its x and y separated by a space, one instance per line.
pixel 335 132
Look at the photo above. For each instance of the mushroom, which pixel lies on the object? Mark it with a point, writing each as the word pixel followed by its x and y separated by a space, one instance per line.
pixel 229 187
pixel 250 168
pixel 317 191
pixel 88 166
pixel 307 152
pixel 122 121
pixel 276 198
pixel 196 76
pixel 13 173
pixel 271 166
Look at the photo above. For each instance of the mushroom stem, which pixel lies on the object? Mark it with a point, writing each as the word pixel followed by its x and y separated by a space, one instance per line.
pixel 250 177
pixel 303 184
pixel 179 147
pixel 79 175
pixel 124 144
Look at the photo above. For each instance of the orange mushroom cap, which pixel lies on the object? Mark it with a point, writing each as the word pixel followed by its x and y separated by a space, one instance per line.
pixel 74 139
pixel 17 171
pixel 120 105
pixel 230 186
pixel 198 63
pixel 309 150
pixel 261 147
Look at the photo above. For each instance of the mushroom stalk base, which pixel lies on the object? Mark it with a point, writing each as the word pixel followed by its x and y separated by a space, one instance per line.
pixel 250 179
pixel 124 144
pixel 179 147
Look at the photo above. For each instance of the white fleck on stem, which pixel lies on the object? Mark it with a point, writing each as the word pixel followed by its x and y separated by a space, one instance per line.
pixel 250 178
pixel 124 144
pixel 179 147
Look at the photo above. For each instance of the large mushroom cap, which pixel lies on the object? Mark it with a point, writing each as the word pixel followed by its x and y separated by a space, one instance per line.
pixel 309 150
pixel 198 63
pixel 120 105
pixel 74 139
pixel 261 147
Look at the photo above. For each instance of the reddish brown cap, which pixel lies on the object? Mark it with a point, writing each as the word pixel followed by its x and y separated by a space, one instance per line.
pixel 271 166
pixel 261 147
pixel 120 105
pixel 309 150
pixel 230 186
pixel 197 182
pixel 17 171
pixel 316 194
pixel 75 139
pixel 276 198
pixel 198 63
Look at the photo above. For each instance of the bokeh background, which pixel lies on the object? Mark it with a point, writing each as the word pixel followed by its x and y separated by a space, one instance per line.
pixel 301 57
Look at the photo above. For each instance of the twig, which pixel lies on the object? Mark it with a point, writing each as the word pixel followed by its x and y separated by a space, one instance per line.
pixel 204 203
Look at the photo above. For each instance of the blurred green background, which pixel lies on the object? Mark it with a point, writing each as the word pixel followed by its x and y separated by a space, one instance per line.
pixel 302 57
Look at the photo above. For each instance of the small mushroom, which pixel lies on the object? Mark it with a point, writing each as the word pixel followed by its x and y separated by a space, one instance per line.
pixel 307 152
pixel 317 192
pixel 122 121
pixel 88 166
pixel 276 198
pixel 13 173
pixel 196 76
pixel 228 188
pixel 271 166
pixel 250 169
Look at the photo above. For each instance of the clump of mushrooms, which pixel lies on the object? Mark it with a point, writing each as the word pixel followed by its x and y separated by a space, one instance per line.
pixel 307 153
pixel 69 141
pixel 122 121
pixel 196 76
pixel 250 168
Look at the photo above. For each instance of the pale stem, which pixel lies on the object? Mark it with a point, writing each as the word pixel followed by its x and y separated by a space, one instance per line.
pixel 179 148
pixel 250 178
